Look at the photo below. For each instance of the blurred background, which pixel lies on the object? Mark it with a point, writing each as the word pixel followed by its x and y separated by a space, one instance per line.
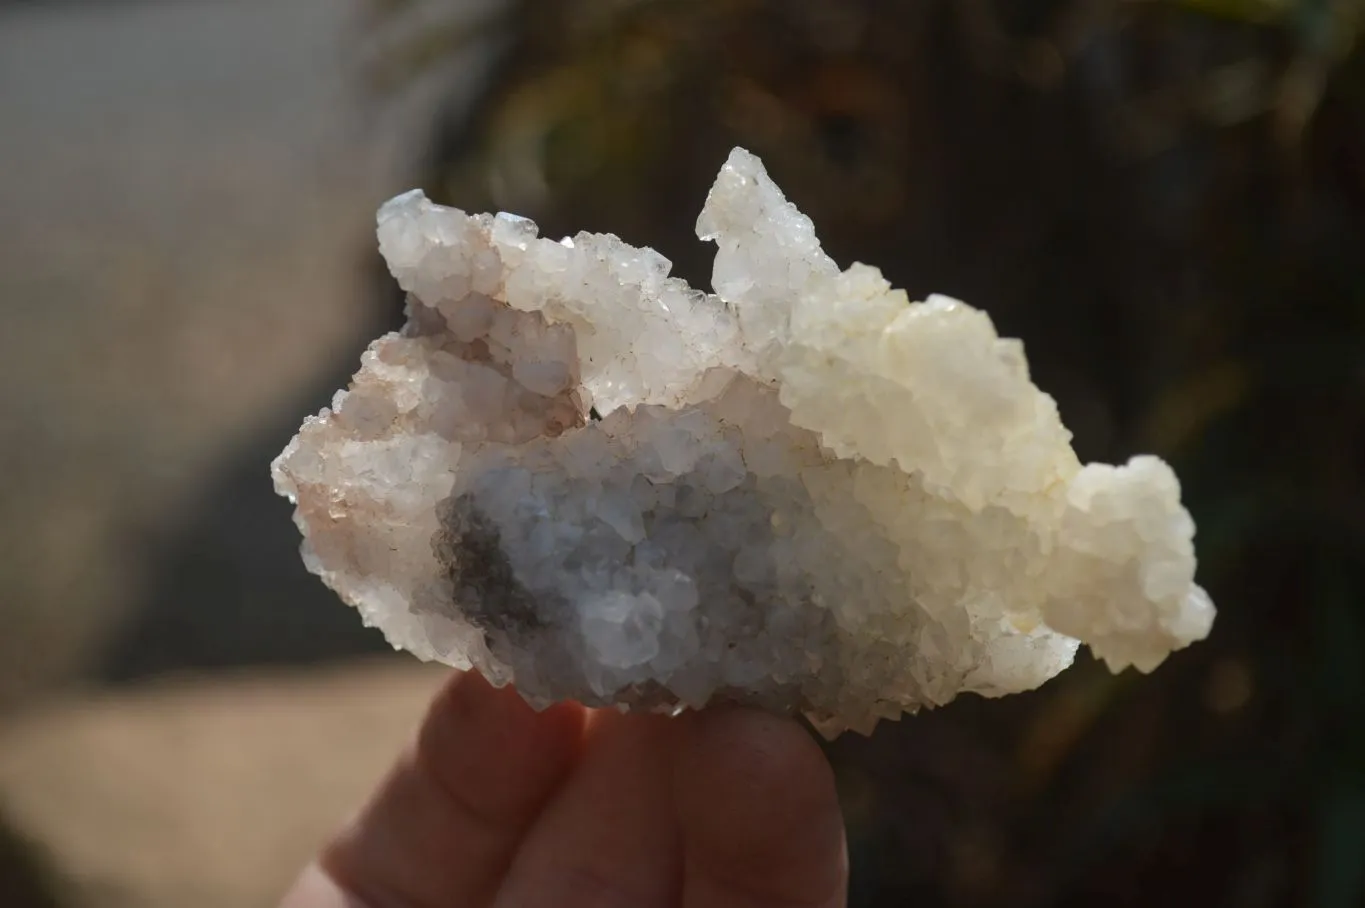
pixel 1164 198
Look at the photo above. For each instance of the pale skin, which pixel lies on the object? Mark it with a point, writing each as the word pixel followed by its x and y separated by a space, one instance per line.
pixel 497 806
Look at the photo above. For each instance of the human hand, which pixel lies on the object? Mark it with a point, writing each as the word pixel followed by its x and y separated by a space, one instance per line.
pixel 497 806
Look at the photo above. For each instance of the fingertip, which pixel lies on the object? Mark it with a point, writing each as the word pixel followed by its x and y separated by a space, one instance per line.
pixel 758 808
pixel 755 755
pixel 446 821
pixel 315 888
pixel 515 748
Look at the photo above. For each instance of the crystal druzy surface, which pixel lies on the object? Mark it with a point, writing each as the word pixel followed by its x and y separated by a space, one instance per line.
pixel 804 491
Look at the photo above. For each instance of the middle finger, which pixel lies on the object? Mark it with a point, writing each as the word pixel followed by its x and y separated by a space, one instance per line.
pixel 609 837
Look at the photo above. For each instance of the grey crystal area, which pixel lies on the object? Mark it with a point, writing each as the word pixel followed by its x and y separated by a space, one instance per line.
pixel 484 585
pixel 690 577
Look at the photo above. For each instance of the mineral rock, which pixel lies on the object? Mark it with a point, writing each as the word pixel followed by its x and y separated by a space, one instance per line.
pixel 804 491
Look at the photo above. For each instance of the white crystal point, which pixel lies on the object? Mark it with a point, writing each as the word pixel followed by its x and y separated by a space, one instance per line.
pixel 807 492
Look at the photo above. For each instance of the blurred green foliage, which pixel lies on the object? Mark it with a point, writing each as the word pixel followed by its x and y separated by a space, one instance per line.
pixel 1166 200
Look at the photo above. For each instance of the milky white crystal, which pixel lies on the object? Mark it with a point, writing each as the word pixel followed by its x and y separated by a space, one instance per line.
pixel 804 492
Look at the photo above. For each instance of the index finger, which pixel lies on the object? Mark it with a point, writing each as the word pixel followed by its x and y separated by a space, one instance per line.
pixel 447 820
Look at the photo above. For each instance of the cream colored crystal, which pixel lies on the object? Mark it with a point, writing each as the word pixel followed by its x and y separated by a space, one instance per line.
pixel 805 491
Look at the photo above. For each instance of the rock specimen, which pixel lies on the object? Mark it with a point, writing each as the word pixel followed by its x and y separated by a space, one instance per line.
pixel 805 492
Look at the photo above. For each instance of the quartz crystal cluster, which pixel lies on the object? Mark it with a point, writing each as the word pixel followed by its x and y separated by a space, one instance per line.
pixel 802 491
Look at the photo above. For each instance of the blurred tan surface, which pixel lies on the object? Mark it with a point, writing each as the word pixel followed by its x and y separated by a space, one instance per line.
pixel 187 193
pixel 205 794
pixel 187 197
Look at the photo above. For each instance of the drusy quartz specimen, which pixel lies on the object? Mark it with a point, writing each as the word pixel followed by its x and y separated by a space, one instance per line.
pixel 802 491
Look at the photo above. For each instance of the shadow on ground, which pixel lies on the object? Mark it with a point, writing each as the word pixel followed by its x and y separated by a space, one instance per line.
pixel 229 588
pixel 26 879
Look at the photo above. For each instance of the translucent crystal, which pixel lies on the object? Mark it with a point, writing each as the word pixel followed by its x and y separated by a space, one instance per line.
pixel 805 492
